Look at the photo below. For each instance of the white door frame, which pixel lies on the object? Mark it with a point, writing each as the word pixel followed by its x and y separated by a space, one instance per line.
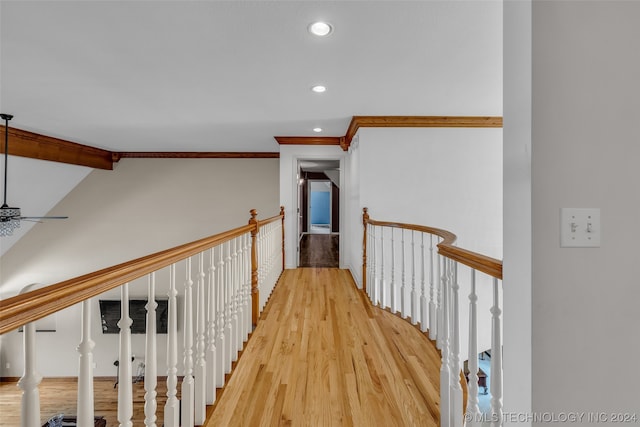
pixel 292 172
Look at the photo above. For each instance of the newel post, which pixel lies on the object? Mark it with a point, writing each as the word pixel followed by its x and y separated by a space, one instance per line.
pixel 255 292
pixel 282 219
pixel 365 221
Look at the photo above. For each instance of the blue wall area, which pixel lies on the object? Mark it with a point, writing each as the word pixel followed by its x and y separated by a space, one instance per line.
pixel 320 207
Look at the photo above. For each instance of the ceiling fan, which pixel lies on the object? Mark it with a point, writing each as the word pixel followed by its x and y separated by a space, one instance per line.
pixel 10 217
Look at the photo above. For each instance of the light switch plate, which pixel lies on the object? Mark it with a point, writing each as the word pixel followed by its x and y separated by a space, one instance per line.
pixel 580 227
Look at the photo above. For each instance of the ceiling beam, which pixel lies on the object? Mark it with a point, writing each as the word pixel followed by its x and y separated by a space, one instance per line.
pixel 35 146
pixel 29 144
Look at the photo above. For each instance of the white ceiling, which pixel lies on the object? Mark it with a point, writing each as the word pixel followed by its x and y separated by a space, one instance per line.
pixel 230 75
pixel 212 75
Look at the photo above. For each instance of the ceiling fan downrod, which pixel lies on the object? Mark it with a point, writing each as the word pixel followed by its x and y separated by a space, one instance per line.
pixel 9 217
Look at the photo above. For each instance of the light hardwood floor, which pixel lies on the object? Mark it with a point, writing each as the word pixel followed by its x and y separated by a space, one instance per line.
pixel 59 396
pixel 320 356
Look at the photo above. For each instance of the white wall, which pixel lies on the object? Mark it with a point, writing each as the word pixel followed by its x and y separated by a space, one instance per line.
pixel 585 153
pixel 353 259
pixel 35 186
pixel 517 209
pixel 448 178
pixel 143 206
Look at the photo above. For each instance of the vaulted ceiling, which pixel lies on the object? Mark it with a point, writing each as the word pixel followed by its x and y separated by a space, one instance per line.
pixel 231 75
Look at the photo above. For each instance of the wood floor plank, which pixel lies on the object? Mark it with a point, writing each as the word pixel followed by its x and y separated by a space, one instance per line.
pixel 59 395
pixel 321 355
pixel 327 359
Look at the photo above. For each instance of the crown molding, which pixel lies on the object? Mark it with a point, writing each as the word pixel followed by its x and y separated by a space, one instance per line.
pixel 33 145
pixel 358 122
pixel 308 140
pixel 194 155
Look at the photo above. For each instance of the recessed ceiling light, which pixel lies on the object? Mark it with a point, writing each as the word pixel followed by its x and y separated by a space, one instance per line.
pixel 320 28
pixel 319 89
pixel 317 130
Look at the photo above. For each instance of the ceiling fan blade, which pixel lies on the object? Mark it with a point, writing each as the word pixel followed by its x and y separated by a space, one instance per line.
pixel 35 218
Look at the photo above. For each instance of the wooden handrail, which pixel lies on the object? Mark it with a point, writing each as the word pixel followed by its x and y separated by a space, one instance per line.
pixel 31 306
pixel 446 248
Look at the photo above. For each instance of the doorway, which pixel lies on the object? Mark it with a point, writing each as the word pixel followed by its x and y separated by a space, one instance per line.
pixel 319 205
pixel 318 213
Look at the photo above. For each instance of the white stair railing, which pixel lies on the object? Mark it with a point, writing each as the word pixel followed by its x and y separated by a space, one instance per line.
pixel 85 371
pixel 211 357
pixel 220 309
pixel 216 322
pixel 125 379
pixel 200 370
pixel 28 383
pixel 187 388
pixel 151 366
pixel 473 410
pixel 440 317
pixel 496 357
pixel 172 406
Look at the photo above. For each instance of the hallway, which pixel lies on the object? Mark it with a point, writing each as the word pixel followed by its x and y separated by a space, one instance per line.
pixel 322 356
pixel 319 250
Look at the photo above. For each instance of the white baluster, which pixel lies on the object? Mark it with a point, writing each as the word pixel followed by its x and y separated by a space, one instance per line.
pixel 374 277
pixel 85 374
pixel 200 370
pixel 433 310
pixel 393 273
pixel 247 285
pixel 496 358
pixel 403 287
pixel 260 251
pixel 445 369
pixel 267 266
pixel 30 403
pixel 456 388
pixel 211 332
pixel 473 411
pixel 275 239
pixel 440 291
pixel 414 296
pixel 238 296
pixel 425 311
pixel 229 336
pixel 238 299
pixel 172 406
pixel 234 301
pixel 220 307
pixel 151 367
pixel 274 254
pixel 125 386
pixel 187 390
pixel 383 283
